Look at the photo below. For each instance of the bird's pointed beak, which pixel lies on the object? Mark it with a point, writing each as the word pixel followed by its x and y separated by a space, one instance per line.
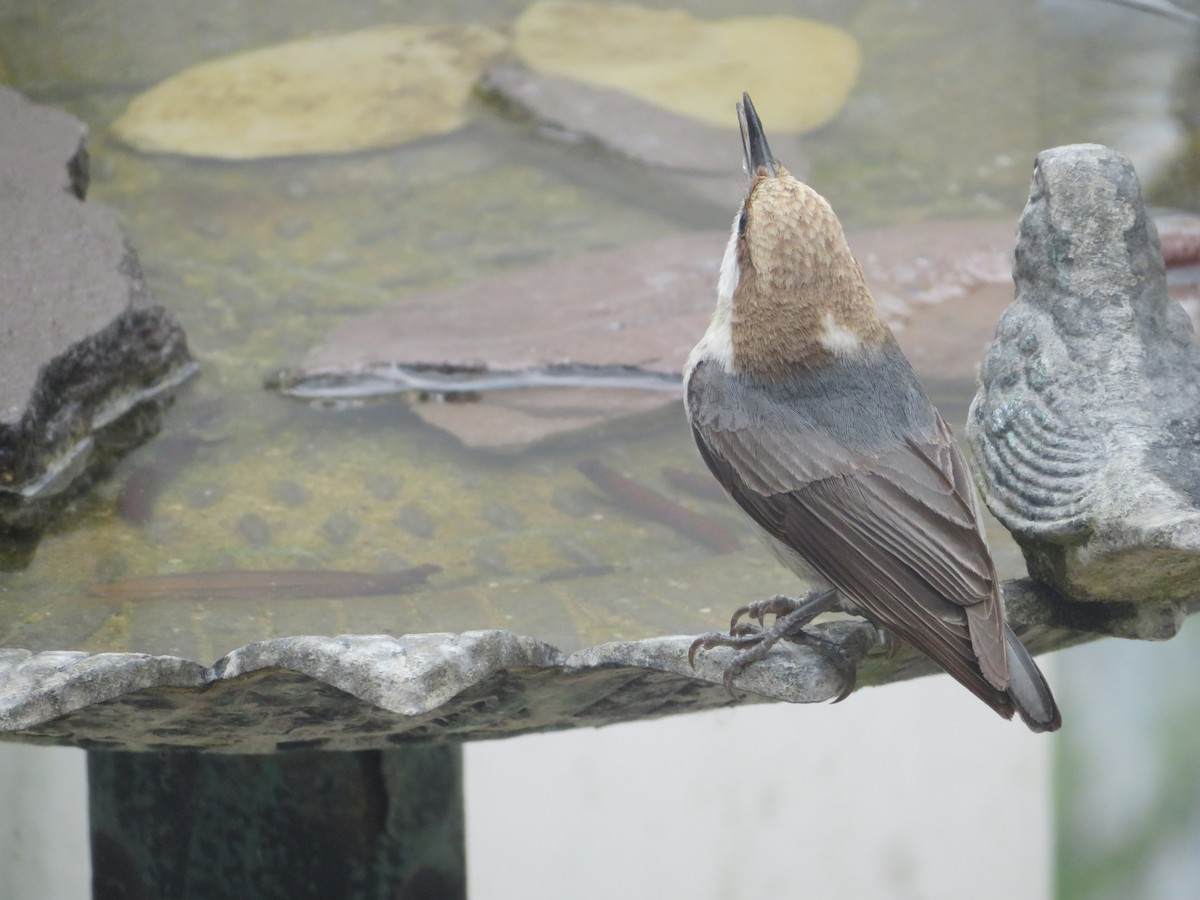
pixel 758 158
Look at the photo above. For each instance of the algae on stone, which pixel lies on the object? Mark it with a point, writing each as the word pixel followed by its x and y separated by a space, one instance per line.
pixel 366 89
pixel 799 71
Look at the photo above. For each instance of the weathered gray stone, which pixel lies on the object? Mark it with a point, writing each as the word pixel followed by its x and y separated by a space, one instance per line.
pixel 87 355
pixel 1087 420
pixel 577 112
pixel 692 157
pixel 370 691
pixel 50 145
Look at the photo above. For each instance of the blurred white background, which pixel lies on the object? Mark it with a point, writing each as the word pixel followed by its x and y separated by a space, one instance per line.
pixel 914 790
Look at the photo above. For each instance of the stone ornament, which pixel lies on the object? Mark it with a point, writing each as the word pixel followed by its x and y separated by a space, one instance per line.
pixel 1086 426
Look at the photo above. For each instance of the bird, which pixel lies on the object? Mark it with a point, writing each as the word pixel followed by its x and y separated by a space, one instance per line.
pixel 805 409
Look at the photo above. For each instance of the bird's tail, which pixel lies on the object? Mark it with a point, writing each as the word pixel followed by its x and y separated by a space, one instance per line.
pixel 1028 689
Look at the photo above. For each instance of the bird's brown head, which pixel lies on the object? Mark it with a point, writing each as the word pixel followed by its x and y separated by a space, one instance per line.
pixel 795 294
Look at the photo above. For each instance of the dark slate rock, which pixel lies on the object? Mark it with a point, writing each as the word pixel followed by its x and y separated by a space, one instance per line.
pixel 1087 420
pixel 88 356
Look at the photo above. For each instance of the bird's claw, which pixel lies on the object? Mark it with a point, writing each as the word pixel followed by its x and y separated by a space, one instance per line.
pixel 779 605
pixel 754 642
pixel 696 645
pixel 740 638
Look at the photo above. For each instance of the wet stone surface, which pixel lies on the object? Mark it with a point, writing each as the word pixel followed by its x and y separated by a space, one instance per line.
pixel 382 486
pixel 88 356
pixel 202 496
pixel 490 559
pixel 289 493
pixel 502 516
pixel 340 528
pixel 255 529
pixel 415 520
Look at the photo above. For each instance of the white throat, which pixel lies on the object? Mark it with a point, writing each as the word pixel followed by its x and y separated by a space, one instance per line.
pixel 717 343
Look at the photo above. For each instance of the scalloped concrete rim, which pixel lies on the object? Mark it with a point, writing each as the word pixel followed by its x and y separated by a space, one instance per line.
pixel 407 676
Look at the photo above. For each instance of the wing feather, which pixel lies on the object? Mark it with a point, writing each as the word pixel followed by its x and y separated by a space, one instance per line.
pixel 897 531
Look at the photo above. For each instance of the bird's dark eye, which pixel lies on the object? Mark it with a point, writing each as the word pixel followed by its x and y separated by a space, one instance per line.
pixel 742 222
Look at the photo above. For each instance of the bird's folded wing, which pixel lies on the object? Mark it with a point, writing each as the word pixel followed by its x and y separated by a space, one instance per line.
pixel 897 532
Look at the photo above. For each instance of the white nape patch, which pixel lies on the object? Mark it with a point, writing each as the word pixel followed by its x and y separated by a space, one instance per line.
pixel 838 340
pixel 717 343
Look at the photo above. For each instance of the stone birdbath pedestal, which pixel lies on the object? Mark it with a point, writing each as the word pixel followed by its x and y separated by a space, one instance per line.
pixel 331 766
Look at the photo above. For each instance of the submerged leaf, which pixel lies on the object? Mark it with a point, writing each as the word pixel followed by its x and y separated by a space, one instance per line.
pixel 356 91
pixel 799 72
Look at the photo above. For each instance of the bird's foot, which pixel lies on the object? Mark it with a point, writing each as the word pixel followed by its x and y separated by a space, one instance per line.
pixel 755 641
pixel 776 606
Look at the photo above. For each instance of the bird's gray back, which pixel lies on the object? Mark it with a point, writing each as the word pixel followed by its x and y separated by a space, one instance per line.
pixel 832 416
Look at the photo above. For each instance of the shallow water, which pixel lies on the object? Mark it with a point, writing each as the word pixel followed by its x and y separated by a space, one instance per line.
pixel 259 259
